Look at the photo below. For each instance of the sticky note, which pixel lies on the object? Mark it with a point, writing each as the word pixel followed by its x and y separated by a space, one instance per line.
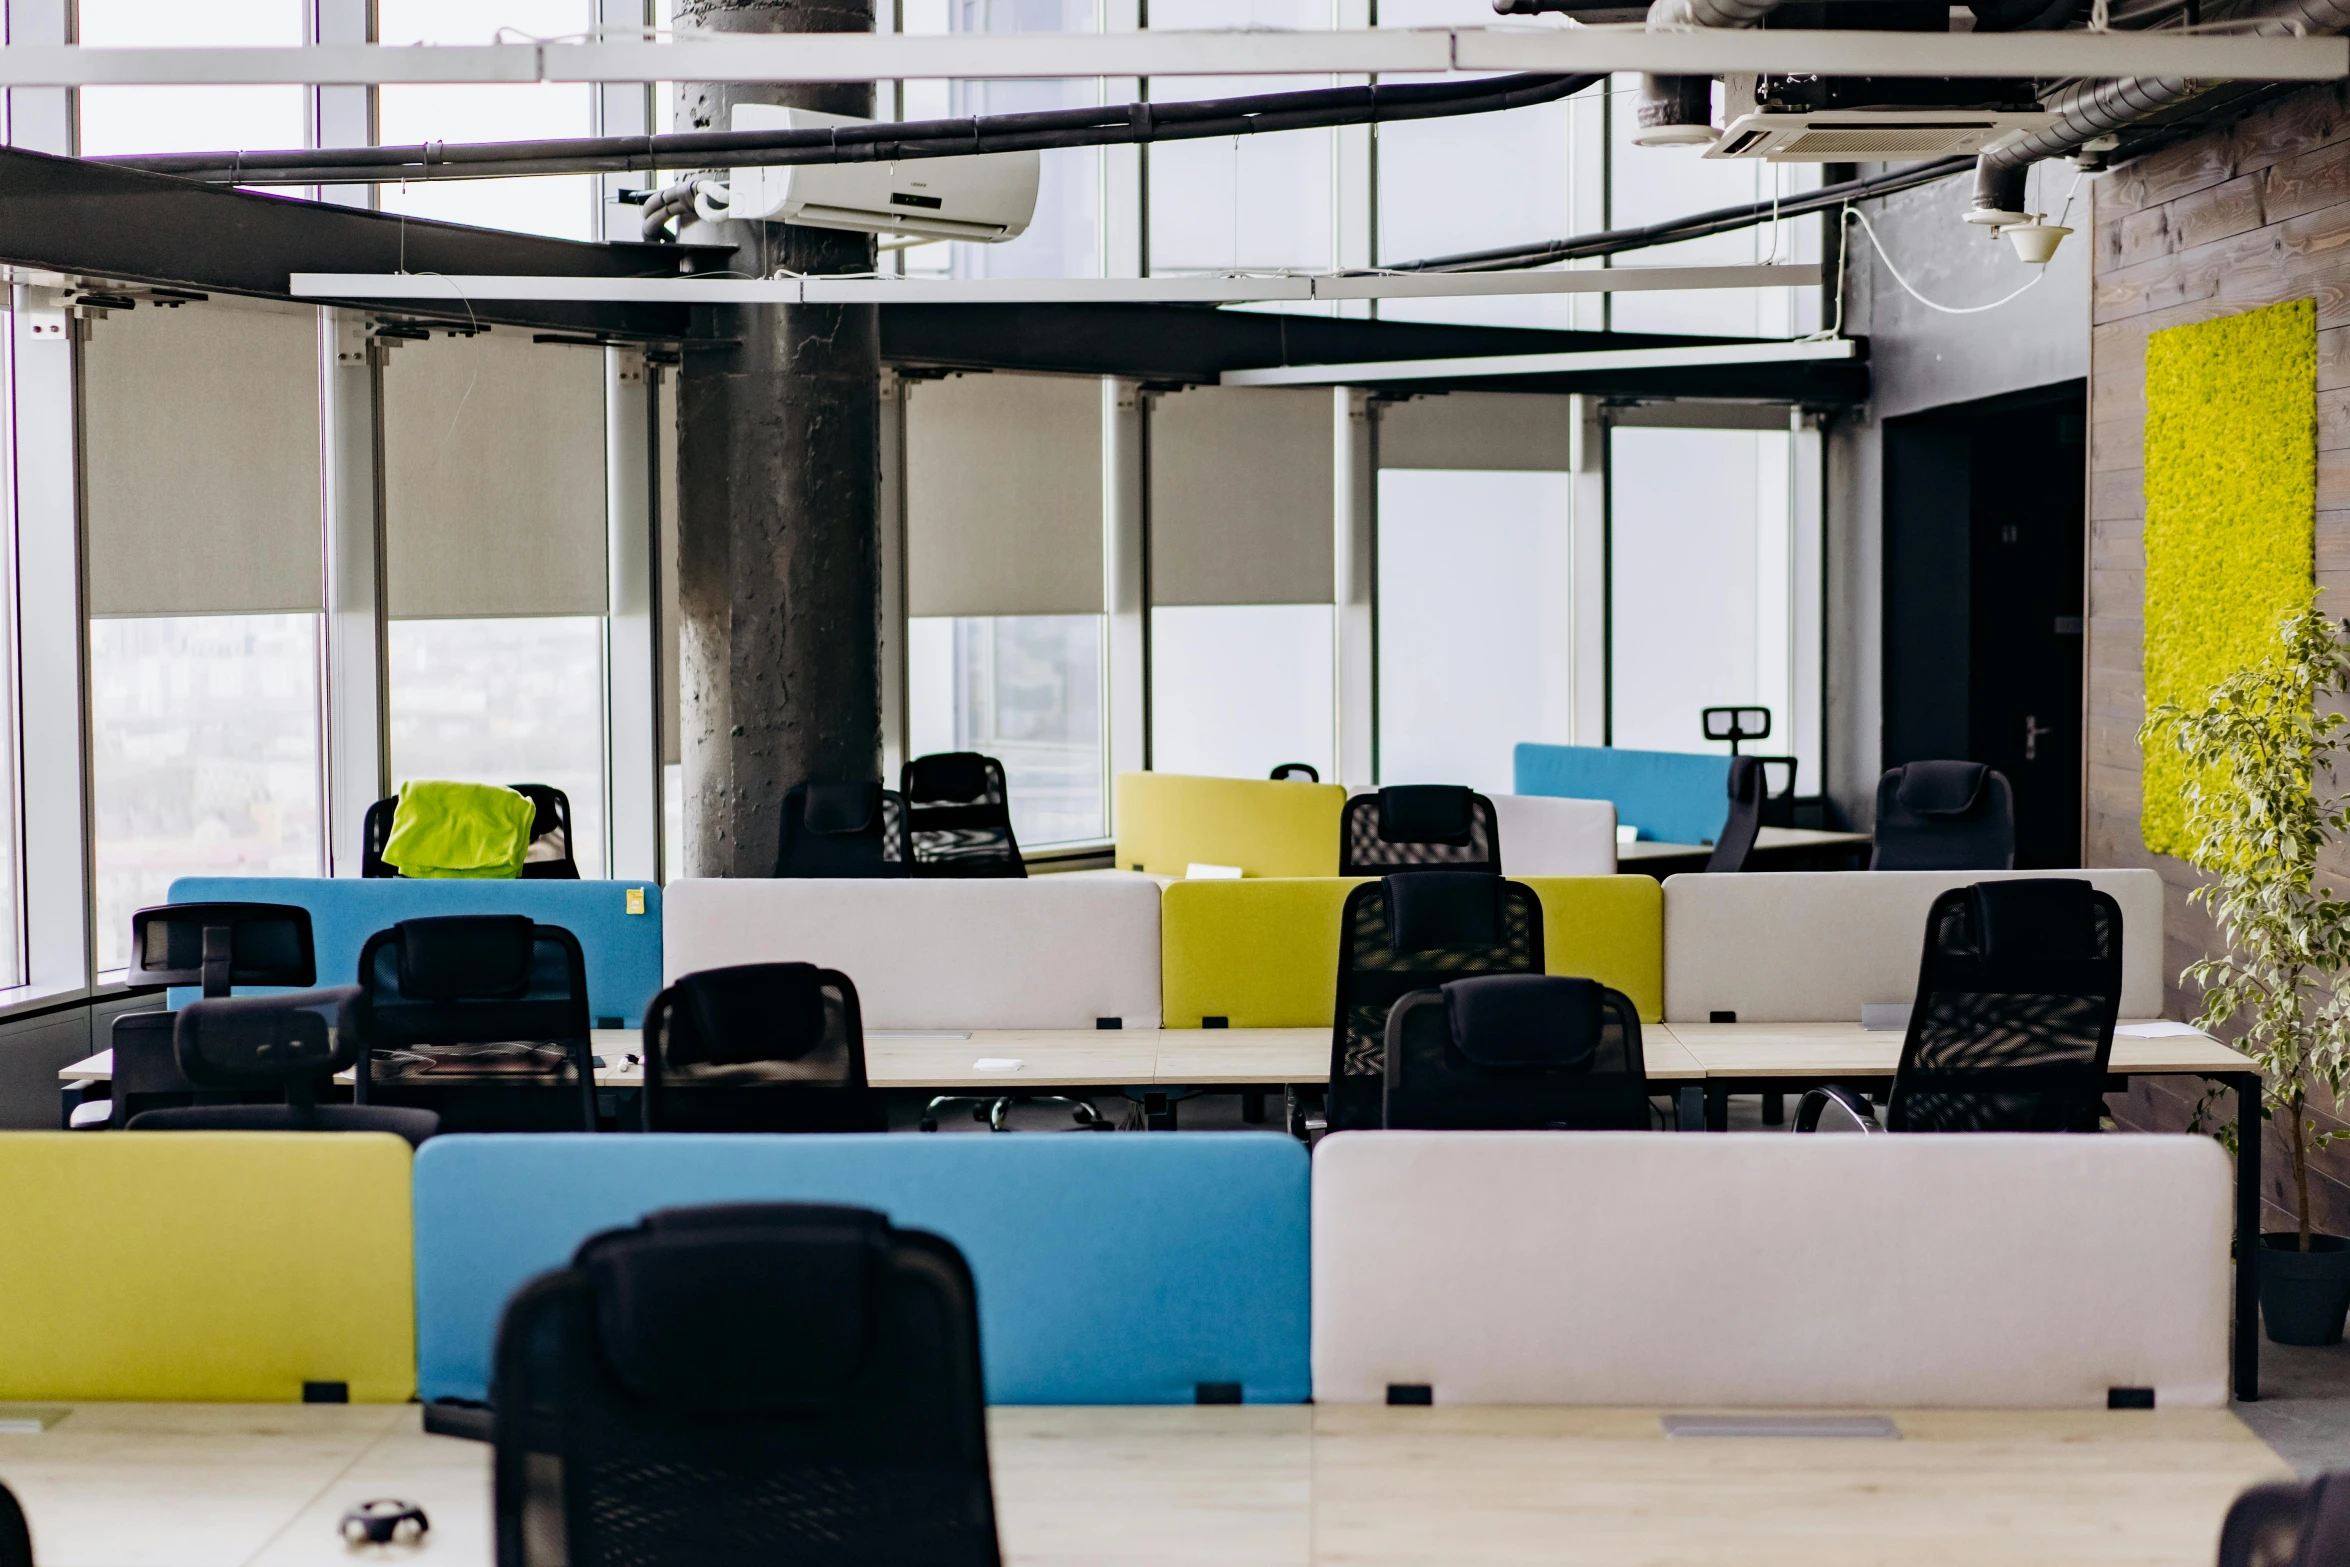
pixel 636 900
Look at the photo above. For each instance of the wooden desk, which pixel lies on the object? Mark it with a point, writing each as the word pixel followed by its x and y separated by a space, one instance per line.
pixel 1251 1486
pixel 1775 849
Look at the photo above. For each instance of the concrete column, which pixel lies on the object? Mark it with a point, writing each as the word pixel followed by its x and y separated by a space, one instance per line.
pixel 779 556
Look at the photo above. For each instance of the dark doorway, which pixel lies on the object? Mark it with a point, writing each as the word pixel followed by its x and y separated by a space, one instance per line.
pixel 1984 549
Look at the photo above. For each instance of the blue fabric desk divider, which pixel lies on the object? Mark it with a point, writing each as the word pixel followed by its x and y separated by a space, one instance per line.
pixel 1671 796
pixel 1111 1270
pixel 623 950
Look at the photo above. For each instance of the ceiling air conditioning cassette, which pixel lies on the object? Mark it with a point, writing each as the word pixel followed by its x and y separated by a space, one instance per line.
pixel 988 197
pixel 1869 135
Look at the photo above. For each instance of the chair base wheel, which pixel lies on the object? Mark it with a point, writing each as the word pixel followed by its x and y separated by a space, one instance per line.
pixel 927 1124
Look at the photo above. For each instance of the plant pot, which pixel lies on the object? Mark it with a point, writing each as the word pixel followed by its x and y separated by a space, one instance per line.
pixel 2304 1295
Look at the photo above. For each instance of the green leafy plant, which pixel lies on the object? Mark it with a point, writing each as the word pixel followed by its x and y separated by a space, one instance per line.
pixel 2261 750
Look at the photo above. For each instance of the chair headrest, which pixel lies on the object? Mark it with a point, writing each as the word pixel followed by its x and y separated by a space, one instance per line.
pixel 235 1040
pixel 949 775
pixel 741 1307
pixel 1525 1019
pixel 269 943
pixel 465 957
pixel 1425 813
pixel 1939 788
pixel 837 809
pixel 2042 917
pixel 753 1012
pixel 1429 909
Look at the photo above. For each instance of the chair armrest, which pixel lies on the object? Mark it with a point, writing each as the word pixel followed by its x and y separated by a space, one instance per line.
pixel 1853 1102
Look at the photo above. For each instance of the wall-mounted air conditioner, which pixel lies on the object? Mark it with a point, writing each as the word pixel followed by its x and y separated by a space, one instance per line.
pixel 986 197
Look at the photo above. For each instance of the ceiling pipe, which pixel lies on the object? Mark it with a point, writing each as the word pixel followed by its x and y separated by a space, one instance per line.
pixel 1678 111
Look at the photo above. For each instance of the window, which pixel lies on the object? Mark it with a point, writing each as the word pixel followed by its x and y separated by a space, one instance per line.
pixel 1238 689
pixel 204 738
pixel 505 701
pixel 191 119
pixel 1027 690
pixel 1475 589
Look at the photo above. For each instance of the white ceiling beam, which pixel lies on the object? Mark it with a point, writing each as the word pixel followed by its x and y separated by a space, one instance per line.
pixel 825 57
pixel 1381 372
pixel 438 289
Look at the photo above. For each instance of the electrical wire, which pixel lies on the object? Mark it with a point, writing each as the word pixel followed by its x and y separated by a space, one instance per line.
pixel 1854 214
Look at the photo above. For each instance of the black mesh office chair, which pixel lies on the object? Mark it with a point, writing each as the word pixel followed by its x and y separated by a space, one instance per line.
pixel 1734 844
pixel 212 945
pixel 292 1045
pixel 1944 816
pixel 958 816
pixel 482 1018
pixel 549 857
pixel 1405 933
pixel 2289 1523
pixel 842 829
pixel 16 1537
pixel 1292 772
pixel 1418 827
pixel 743 1386
pixel 2013 1022
pixel 764 1047
pixel 1527 1051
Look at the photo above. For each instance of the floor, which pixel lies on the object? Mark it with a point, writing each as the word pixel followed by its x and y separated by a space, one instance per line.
pixel 221 1486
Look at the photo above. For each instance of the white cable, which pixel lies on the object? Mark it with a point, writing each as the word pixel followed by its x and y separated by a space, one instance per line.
pixel 1948 310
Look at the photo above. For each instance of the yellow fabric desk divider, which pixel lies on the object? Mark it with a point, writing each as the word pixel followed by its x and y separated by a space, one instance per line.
pixel 1170 821
pixel 1264 953
pixel 205 1267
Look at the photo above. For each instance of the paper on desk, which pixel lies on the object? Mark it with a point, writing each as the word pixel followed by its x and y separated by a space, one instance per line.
pixel 2160 1028
pixel 997 1064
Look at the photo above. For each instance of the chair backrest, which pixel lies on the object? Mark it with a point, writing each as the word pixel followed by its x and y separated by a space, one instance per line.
pixel 2013 1023
pixel 1530 1051
pixel 290 1043
pixel 1402 934
pixel 746 1383
pixel 958 816
pixel 1305 772
pixel 1744 823
pixel 761 1047
pixel 217 945
pixel 479 1000
pixel 2289 1523
pixel 1944 816
pixel 550 857
pixel 1409 827
pixel 16 1538
pixel 842 829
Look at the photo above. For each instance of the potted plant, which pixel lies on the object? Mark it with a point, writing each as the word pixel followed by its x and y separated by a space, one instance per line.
pixel 2261 801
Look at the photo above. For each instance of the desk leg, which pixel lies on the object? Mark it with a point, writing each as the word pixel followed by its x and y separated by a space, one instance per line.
pixel 1689 1105
pixel 2247 1356
pixel 1717 1107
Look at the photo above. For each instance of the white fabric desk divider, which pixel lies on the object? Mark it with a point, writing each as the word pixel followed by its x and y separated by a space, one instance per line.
pixel 1549 835
pixel 1047 952
pixel 1607 1268
pixel 1807 947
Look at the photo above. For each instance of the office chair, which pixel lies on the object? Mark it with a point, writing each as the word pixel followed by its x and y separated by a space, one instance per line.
pixel 2289 1523
pixel 1405 933
pixel 293 1044
pixel 16 1537
pixel 1288 772
pixel 1415 827
pixel 1516 1051
pixel 1734 844
pixel 548 859
pixel 212 945
pixel 764 1047
pixel 746 1384
pixel 842 829
pixel 2013 1023
pixel 482 1018
pixel 958 817
pixel 1944 816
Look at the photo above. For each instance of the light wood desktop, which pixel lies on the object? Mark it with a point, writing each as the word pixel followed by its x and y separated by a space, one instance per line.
pixel 1825 1050
pixel 1244 1486
pixel 1771 844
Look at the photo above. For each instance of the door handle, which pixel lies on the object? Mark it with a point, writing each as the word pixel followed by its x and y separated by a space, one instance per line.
pixel 2033 730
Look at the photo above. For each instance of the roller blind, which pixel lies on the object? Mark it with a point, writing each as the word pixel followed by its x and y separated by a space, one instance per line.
pixel 494 478
pixel 202 458
pixel 665 496
pixel 1004 495
pixel 1479 430
pixel 1241 507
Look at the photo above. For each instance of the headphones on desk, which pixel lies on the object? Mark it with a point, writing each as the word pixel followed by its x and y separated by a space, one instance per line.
pixel 385 1521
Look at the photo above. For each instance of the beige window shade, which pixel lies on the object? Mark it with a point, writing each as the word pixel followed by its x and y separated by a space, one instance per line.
pixel 1004 495
pixel 1479 430
pixel 202 456
pixel 665 496
pixel 494 478
pixel 1241 508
